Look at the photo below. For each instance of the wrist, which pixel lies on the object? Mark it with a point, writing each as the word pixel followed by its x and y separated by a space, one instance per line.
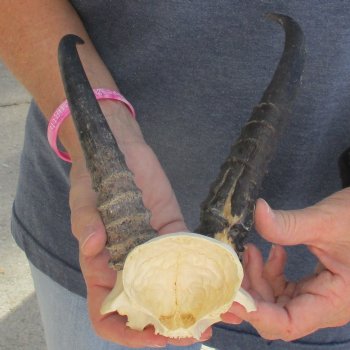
pixel 69 139
pixel 118 113
pixel 124 127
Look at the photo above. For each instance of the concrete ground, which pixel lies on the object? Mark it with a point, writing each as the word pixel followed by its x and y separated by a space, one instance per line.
pixel 20 326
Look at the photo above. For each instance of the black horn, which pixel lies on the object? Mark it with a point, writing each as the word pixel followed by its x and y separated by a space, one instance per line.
pixel 126 219
pixel 227 212
pixel 344 168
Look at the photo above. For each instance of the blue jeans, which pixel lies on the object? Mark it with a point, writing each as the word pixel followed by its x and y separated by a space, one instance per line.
pixel 65 319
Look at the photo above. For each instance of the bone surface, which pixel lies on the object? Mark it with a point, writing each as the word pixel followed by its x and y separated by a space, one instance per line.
pixel 179 283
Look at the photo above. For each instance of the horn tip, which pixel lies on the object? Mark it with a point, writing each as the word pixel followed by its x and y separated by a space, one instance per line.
pixel 277 17
pixel 71 40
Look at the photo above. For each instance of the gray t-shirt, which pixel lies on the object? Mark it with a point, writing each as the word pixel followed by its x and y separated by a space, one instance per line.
pixel 194 70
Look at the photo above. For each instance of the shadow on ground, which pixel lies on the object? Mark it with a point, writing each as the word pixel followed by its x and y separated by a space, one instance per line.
pixel 21 328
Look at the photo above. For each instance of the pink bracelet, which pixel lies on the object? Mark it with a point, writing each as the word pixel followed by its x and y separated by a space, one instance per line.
pixel 63 111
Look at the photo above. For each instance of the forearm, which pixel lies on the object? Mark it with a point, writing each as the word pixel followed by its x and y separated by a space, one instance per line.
pixel 30 32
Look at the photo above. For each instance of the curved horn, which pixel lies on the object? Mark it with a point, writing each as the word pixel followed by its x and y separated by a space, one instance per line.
pixel 227 212
pixel 119 200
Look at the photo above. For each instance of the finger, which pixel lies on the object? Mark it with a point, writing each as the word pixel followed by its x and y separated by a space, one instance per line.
pixel 319 268
pixel 334 263
pixel 100 280
pixel 86 222
pixel 96 270
pixel 291 227
pixel 254 266
pixel 206 335
pixel 273 271
pixel 112 327
pixel 311 310
pixel 245 283
pixel 325 284
pixel 289 322
pixel 282 300
pixel 231 318
pixel 168 216
pixel 334 289
pixel 166 213
pixel 157 195
pixel 88 228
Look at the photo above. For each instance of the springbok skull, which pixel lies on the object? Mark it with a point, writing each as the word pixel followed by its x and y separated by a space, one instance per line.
pixel 181 283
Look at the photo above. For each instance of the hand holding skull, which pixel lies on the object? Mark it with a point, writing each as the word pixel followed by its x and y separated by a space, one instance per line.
pixel 287 310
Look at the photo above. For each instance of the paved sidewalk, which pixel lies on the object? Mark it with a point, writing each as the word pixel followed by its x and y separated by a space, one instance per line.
pixel 20 326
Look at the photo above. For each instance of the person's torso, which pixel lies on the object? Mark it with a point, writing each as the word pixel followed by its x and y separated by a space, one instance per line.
pixel 194 70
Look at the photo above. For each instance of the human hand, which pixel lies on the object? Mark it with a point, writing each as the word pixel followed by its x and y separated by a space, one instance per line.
pixel 287 310
pixel 88 228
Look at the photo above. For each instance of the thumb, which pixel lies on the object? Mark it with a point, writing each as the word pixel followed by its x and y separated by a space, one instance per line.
pixel 86 222
pixel 289 227
pixel 88 228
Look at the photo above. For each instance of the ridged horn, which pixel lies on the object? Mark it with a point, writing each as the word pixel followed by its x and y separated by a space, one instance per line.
pixel 227 212
pixel 119 202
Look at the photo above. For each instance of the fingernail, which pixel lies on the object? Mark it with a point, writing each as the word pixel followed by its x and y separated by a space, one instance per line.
pixel 272 252
pixel 158 345
pixel 206 335
pixel 268 208
pixel 88 234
